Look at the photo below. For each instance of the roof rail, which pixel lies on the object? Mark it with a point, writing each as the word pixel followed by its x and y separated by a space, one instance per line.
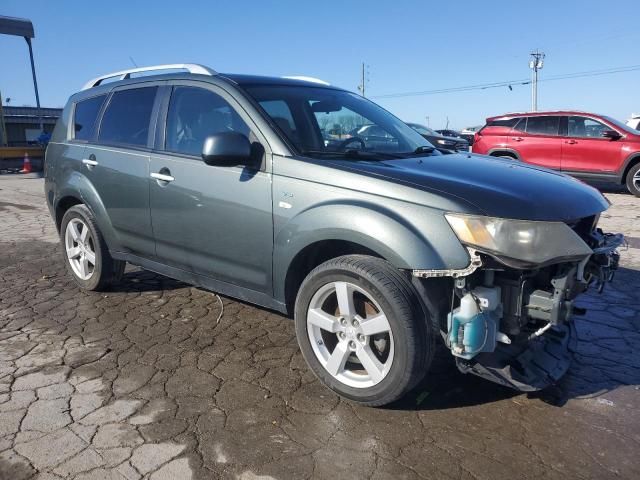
pixel 124 74
pixel 306 79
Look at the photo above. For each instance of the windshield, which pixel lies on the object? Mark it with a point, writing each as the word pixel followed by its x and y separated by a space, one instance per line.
pixel 326 122
pixel 621 125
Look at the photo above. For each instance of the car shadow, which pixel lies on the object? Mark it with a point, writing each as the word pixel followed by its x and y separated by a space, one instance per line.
pixel 139 280
pixel 605 359
pixel 610 187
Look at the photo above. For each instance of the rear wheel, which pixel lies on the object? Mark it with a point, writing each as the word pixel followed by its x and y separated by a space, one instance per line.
pixel 633 180
pixel 362 330
pixel 85 252
pixel 508 156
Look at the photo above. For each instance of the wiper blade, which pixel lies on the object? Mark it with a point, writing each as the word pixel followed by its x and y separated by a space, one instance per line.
pixel 353 154
pixel 364 155
pixel 424 149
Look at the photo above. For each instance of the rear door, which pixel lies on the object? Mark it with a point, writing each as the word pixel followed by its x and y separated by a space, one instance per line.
pixel 210 220
pixel 585 150
pixel 538 141
pixel 118 164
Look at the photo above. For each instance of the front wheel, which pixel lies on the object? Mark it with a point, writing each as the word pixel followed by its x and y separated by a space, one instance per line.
pixel 362 329
pixel 633 180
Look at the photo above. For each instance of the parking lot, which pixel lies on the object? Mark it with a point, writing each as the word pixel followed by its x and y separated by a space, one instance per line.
pixel 148 380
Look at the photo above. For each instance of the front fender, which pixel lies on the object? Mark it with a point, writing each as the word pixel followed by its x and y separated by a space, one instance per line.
pixel 79 186
pixel 411 237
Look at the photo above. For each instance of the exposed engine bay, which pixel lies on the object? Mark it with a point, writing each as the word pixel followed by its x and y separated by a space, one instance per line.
pixel 513 324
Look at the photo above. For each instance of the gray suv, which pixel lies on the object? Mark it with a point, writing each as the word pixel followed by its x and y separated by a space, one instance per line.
pixel 226 182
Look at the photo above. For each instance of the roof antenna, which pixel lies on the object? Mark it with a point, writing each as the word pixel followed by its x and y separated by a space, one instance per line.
pixel 133 61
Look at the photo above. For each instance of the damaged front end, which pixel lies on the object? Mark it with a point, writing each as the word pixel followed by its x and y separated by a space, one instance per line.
pixel 510 315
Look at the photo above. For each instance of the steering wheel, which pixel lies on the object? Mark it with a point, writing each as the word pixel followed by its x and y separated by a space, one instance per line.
pixel 343 144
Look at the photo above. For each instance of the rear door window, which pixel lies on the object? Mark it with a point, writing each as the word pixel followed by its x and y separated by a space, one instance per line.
pixel 127 117
pixel 84 117
pixel 543 125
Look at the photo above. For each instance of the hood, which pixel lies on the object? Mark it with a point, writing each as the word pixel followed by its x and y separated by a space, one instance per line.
pixel 497 187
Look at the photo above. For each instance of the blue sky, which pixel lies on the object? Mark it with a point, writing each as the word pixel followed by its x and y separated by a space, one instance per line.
pixel 408 45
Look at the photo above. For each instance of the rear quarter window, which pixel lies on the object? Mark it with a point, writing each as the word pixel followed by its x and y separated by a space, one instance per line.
pixel 84 117
pixel 500 126
pixel 503 122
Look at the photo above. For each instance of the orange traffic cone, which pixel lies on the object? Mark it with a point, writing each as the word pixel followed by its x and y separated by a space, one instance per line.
pixel 26 164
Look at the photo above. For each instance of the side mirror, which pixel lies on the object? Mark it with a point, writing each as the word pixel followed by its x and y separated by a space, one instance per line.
pixel 610 134
pixel 226 148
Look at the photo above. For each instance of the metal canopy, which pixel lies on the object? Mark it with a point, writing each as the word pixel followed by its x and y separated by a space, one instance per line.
pixel 20 27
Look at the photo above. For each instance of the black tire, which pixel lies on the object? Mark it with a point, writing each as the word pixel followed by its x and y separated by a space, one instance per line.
pixel 634 188
pixel 106 270
pixel 411 325
pixel 508 156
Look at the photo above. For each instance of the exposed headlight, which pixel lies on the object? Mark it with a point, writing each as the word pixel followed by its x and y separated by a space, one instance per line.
pixel 525 241
pixel 445 142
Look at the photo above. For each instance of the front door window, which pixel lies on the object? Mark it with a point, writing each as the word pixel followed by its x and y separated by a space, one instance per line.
pixel 583 127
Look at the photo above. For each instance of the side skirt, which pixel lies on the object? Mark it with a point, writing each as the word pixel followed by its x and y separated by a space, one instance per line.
pixel 208 283
pixel 595 177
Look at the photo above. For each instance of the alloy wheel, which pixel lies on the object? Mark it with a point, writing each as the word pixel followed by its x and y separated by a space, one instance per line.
pixel 80 248
pixel 350 334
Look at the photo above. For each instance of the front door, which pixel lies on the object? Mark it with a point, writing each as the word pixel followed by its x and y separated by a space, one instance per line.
pixel 117 164
pixel 210 220
pixel 585 150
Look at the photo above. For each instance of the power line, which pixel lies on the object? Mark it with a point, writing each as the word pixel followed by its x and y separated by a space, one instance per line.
pixel 510 83
pixel 592 73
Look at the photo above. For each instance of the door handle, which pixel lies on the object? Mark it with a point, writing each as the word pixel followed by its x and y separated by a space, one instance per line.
pixel 89 162
pixel 571 142
pixel 517 139
pixel 162 177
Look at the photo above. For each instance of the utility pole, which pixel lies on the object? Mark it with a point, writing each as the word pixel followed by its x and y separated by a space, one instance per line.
pixel 536 63
pixel 363 79
pixel 3 128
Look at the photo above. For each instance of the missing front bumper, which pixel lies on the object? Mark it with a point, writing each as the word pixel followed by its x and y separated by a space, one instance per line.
pixel 532 337
pixel 538 364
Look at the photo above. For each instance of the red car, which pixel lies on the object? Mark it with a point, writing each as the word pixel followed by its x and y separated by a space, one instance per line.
pixel 585 145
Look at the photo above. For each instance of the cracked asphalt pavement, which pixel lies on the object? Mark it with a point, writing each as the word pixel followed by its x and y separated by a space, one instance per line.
pixel 141 382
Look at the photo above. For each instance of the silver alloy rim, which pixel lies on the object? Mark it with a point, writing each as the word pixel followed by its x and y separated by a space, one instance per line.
pixel 350 334
pixel 80 249
pixel 636 180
